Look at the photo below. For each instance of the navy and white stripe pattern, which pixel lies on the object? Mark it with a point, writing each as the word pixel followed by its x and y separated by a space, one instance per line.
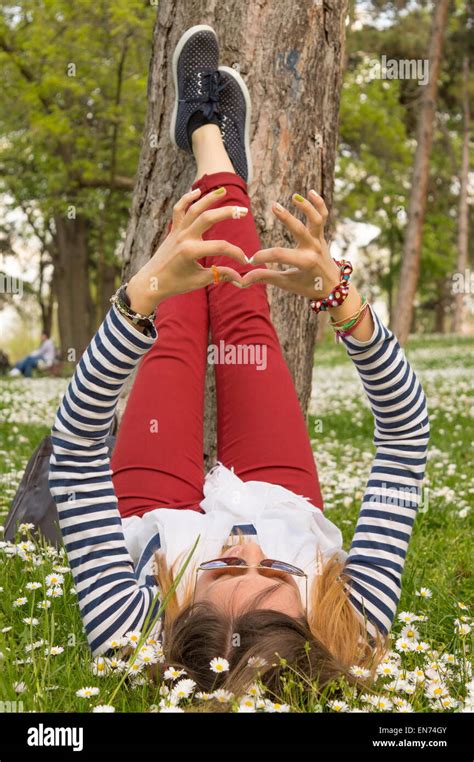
pixel 393 492
pixel 111 599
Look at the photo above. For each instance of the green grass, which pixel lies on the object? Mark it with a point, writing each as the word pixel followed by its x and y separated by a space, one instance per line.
pixel 340 424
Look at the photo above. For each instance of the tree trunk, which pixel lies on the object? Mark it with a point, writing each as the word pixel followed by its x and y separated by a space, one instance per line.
pixel 410 269
pixel 459 297
pixel 72 287
pixel 291 55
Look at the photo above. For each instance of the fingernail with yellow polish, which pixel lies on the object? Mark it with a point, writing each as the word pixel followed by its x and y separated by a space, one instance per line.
pixel 219 192
pixel 298 197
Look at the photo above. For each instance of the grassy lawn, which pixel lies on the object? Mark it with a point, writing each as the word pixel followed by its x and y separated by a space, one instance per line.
pixel 432 678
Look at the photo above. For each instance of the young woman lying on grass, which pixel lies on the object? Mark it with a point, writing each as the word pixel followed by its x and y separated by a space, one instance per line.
pixel 268 579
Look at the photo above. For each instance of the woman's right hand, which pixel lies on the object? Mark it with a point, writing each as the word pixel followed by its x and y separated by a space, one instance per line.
pixel 173 269
pixel 313 272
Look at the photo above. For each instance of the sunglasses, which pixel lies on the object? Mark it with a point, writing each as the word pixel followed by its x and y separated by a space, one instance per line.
pixel 229 562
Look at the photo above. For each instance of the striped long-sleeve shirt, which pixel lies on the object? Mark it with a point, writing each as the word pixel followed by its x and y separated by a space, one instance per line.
pixel 110 597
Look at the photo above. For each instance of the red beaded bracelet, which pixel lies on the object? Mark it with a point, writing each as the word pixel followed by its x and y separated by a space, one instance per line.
pixel 338 293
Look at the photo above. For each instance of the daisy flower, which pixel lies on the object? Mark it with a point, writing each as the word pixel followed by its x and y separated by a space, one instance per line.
pixel 100 667
pixel 404 645
pixel 132 637
pixel 338 706
pixel 407 617
pixel 274 706
pixel 222 696
pixel 424 592
pixel 54 592
pixel 247 704
pixel 420 646
pixel 53 580
pixel 117 643
pixel 387 670
pixel 172 674
pixel 103 709
pixel 436 691
pixel 25 527
pixel 255 690
pixel 410 633
pixel 359 671
pixel 19 687
pixel 203 696
pixel 43 605
pixel 33 585
pixel 31 620
pixel 256 661
pixel 87 693
pixel 463 629
pixel 381 702
pixel 448 702
pixel 404 707
pixel 219 665
pixel 53 651
pixel 462 606
pixel 171 709
pixel 183 688
pixel 20 602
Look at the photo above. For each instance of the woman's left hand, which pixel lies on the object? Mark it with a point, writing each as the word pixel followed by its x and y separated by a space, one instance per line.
pixel 313 272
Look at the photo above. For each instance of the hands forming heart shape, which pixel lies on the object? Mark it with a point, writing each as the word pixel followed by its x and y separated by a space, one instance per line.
pixel 174 268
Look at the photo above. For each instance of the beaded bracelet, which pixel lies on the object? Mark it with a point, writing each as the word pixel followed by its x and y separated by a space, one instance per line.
pixel 339 293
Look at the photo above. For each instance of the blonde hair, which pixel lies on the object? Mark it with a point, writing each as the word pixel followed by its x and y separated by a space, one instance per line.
pixel 336 634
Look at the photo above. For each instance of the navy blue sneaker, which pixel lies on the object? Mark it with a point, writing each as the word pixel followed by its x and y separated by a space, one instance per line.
pixel 235 109
pixel 197 81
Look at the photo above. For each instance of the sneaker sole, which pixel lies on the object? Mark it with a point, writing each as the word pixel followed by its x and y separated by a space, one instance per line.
pixel 177 52
pixel 248 102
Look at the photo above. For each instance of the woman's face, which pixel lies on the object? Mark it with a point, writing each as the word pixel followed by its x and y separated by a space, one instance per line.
pixel 231 588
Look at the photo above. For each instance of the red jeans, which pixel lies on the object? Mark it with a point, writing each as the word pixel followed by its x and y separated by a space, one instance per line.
pixel 158 456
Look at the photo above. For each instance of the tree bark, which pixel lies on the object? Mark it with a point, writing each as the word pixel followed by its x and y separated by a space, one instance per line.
pixel 291 56
pixel 75 314
pixel 410 270
pixel 459 297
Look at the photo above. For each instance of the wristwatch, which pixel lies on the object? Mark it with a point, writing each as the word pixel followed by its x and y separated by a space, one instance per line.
pixel 122 302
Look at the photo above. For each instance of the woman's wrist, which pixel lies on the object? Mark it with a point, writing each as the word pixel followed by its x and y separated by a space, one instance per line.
pixel 143 293
pixel 344 311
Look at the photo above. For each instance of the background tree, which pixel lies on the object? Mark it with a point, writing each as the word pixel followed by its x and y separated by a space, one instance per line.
pixel 291 55
pixel 72 109
pixel 410 269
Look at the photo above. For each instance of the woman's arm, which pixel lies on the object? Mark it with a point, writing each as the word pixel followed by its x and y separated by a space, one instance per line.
pixel 110 599
pixel 80 480
pixel 393 492
pixel 392 496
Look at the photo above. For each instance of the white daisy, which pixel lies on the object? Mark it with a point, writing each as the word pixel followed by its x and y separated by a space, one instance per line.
pixel 222 696
pixel 54 651
pixel 183 688
pixel 87 693
pixel 31 620
pixel 54 592
pixel 407 616
pixel 338 706
pixel 410 633
pixel 219 665
pixel 33 585
pixel 172 674
pixel 274 706
pixel 359 671
pixel 100 667
pixel 424 592
pixel 103 709
pixel 20 602
pixel 53 580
